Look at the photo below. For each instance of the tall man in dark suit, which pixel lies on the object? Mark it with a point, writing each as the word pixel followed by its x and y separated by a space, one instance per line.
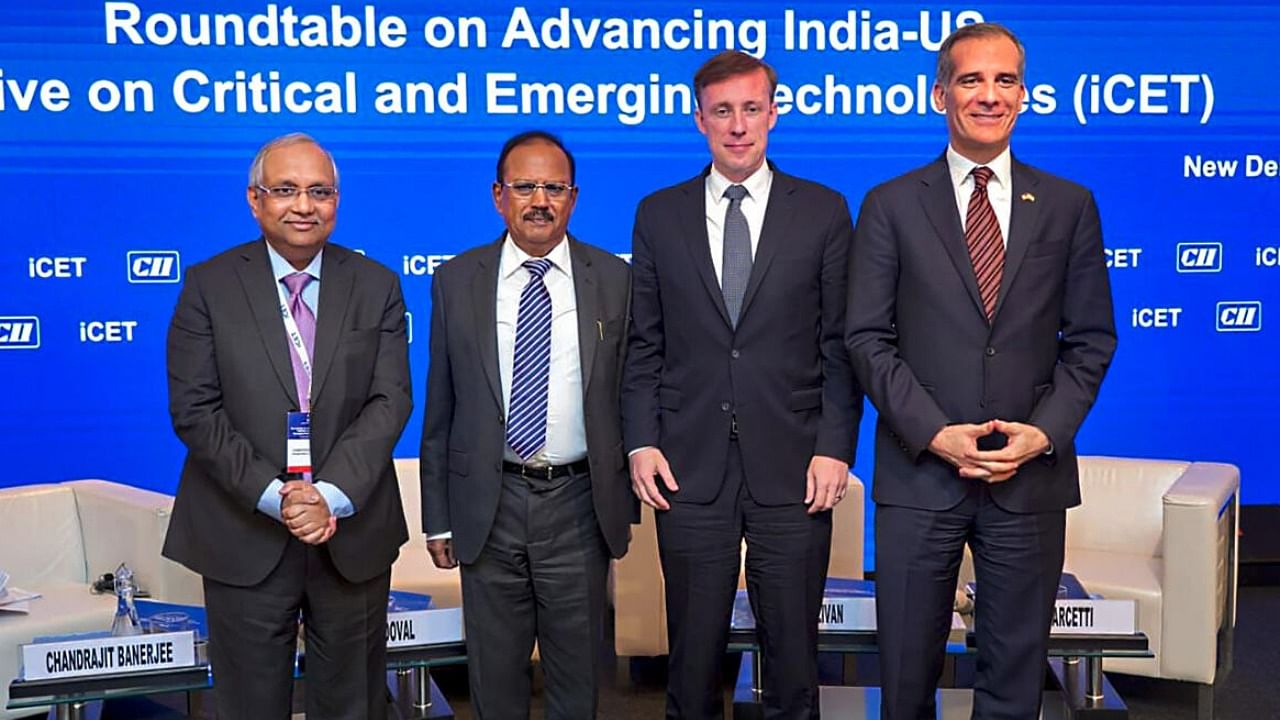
pixel 980 325
pixel 291 331
pixel 523 476
pixel 739 406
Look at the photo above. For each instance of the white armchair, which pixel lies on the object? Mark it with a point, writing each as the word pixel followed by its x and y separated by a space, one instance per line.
pixel 1164 534
pixel 54 539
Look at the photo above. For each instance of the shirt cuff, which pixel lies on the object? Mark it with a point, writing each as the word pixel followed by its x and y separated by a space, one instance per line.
pixel 642 447
pixel 339 504
pixel 441 536
pixel 269 503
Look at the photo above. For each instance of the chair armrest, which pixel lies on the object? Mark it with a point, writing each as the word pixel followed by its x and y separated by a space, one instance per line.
pixel 120 523
pixel 1199 530
pixel 639 596
pixel 847 524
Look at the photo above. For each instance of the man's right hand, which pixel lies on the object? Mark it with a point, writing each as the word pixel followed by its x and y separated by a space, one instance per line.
pixel 441 552
pixel 645 465
pixel 957 444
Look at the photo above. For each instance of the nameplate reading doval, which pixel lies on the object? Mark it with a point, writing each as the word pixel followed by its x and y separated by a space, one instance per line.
pixel 109 655
pixel 1094 617
pixel 424 627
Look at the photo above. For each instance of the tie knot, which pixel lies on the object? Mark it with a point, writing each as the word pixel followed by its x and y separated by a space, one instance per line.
pixel 735 193
pixel 981 176
pixel 296 282
pixel 537 268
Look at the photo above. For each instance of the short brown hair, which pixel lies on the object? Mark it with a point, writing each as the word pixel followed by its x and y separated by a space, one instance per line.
pixel 728 64
pixel 947 68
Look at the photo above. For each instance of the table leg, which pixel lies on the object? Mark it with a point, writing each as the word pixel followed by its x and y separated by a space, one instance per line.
pixel 1093 678
pixel 422 687
pixel 757 677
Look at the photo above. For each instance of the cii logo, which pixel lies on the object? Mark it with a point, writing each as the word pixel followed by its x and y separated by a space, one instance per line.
pixel 1239 316
pixel 154 266
pixel 19 333
pixel 1200 257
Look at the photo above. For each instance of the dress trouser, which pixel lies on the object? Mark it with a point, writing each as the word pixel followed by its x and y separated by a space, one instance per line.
pixel 1017 563
pixel 786 568
pixel 541 576
pixel 253 630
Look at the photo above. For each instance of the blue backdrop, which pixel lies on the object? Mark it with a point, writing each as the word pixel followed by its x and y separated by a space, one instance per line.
pixel 113 148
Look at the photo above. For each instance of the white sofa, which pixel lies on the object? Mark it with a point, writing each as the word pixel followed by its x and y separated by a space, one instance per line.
pixel 54 539
pixel 413 570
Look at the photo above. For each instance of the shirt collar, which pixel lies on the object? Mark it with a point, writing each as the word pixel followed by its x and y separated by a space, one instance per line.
pixel 513 258
pixel 960 167
pixel 757 184
pixel 281 267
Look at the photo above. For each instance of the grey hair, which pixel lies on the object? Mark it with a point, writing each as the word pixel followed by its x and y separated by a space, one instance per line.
pixel 297 138
pixel 947 67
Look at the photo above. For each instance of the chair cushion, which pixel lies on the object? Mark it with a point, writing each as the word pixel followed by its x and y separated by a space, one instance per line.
pixel 1120 576
pixel 40 539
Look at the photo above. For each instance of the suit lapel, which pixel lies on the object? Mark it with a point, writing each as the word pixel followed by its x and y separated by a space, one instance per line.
pixel 777 219
pixel 585 289
pixel 694 221
pixel 337 278
pixel 484 302
pixel 1024 216
pixel 264 302
pixel 938 197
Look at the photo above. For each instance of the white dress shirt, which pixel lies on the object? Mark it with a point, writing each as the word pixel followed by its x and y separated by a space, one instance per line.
pixel 999 187
pixel 753 207
pixel 566 431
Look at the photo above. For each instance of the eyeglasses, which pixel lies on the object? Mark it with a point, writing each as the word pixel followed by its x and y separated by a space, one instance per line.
pixel 525 188
pixel 318 193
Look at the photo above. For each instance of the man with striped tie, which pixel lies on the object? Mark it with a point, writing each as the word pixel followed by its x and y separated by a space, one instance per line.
pixel 980 325
pixel 521 460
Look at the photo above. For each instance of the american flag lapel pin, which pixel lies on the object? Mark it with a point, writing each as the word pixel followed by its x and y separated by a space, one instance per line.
pixel 1028 197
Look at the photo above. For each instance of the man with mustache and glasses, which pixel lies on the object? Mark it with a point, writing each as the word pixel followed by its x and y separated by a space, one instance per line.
pixel 522 467
pixel 980 324
pixel 289 385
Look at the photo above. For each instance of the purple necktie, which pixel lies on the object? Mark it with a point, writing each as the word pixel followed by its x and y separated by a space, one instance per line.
pixel 306 321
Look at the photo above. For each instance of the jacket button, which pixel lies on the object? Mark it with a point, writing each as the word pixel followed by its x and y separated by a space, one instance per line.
pixel 724 407
pixel 991 351
pixel 734 354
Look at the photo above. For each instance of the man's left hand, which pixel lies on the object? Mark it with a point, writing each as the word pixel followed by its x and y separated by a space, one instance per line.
pixel 826 482
pixel 306 513
pixel 1024 443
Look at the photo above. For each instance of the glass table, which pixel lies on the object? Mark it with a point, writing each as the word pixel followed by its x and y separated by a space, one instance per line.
pixel 416 695
pixel 1074 660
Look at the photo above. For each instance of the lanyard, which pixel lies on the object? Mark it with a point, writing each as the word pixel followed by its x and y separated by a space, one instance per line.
pixel 295 337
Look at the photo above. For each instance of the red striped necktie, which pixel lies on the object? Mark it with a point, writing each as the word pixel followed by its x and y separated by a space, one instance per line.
pixel 986 247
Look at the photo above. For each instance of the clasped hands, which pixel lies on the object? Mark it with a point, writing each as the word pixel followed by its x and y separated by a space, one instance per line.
pixel 958 445
pixel 306 513
pixel 825 481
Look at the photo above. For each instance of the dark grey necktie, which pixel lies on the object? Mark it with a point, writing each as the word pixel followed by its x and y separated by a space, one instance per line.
pixel 735 269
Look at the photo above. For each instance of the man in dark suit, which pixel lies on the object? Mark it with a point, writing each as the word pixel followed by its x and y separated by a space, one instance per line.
pixel 739 407
pixel 980 325
pixel 523 476
pixel 272 334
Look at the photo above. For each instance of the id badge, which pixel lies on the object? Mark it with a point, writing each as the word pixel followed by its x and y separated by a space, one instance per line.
pixel 297 445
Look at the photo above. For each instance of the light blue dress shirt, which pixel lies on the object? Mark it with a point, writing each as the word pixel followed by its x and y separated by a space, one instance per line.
pixel 269 504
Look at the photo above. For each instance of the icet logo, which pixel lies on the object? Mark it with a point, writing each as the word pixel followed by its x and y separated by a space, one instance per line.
pixel 19 333
pixel 154 266
pixel 1239 316
pixel 1200 257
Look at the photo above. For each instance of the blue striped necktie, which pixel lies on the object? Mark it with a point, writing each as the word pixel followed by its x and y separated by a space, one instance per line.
pixel 531 365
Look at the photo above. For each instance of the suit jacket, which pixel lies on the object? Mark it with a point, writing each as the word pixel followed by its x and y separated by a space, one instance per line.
pixel 231 384
pixel 927 356
pixel 784 372
pixel 464 431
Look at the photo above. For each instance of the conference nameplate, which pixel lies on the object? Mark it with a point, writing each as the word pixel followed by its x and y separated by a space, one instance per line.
pixel 847 614
pixel 424 627
pixel 108 655
pixel 1094 617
